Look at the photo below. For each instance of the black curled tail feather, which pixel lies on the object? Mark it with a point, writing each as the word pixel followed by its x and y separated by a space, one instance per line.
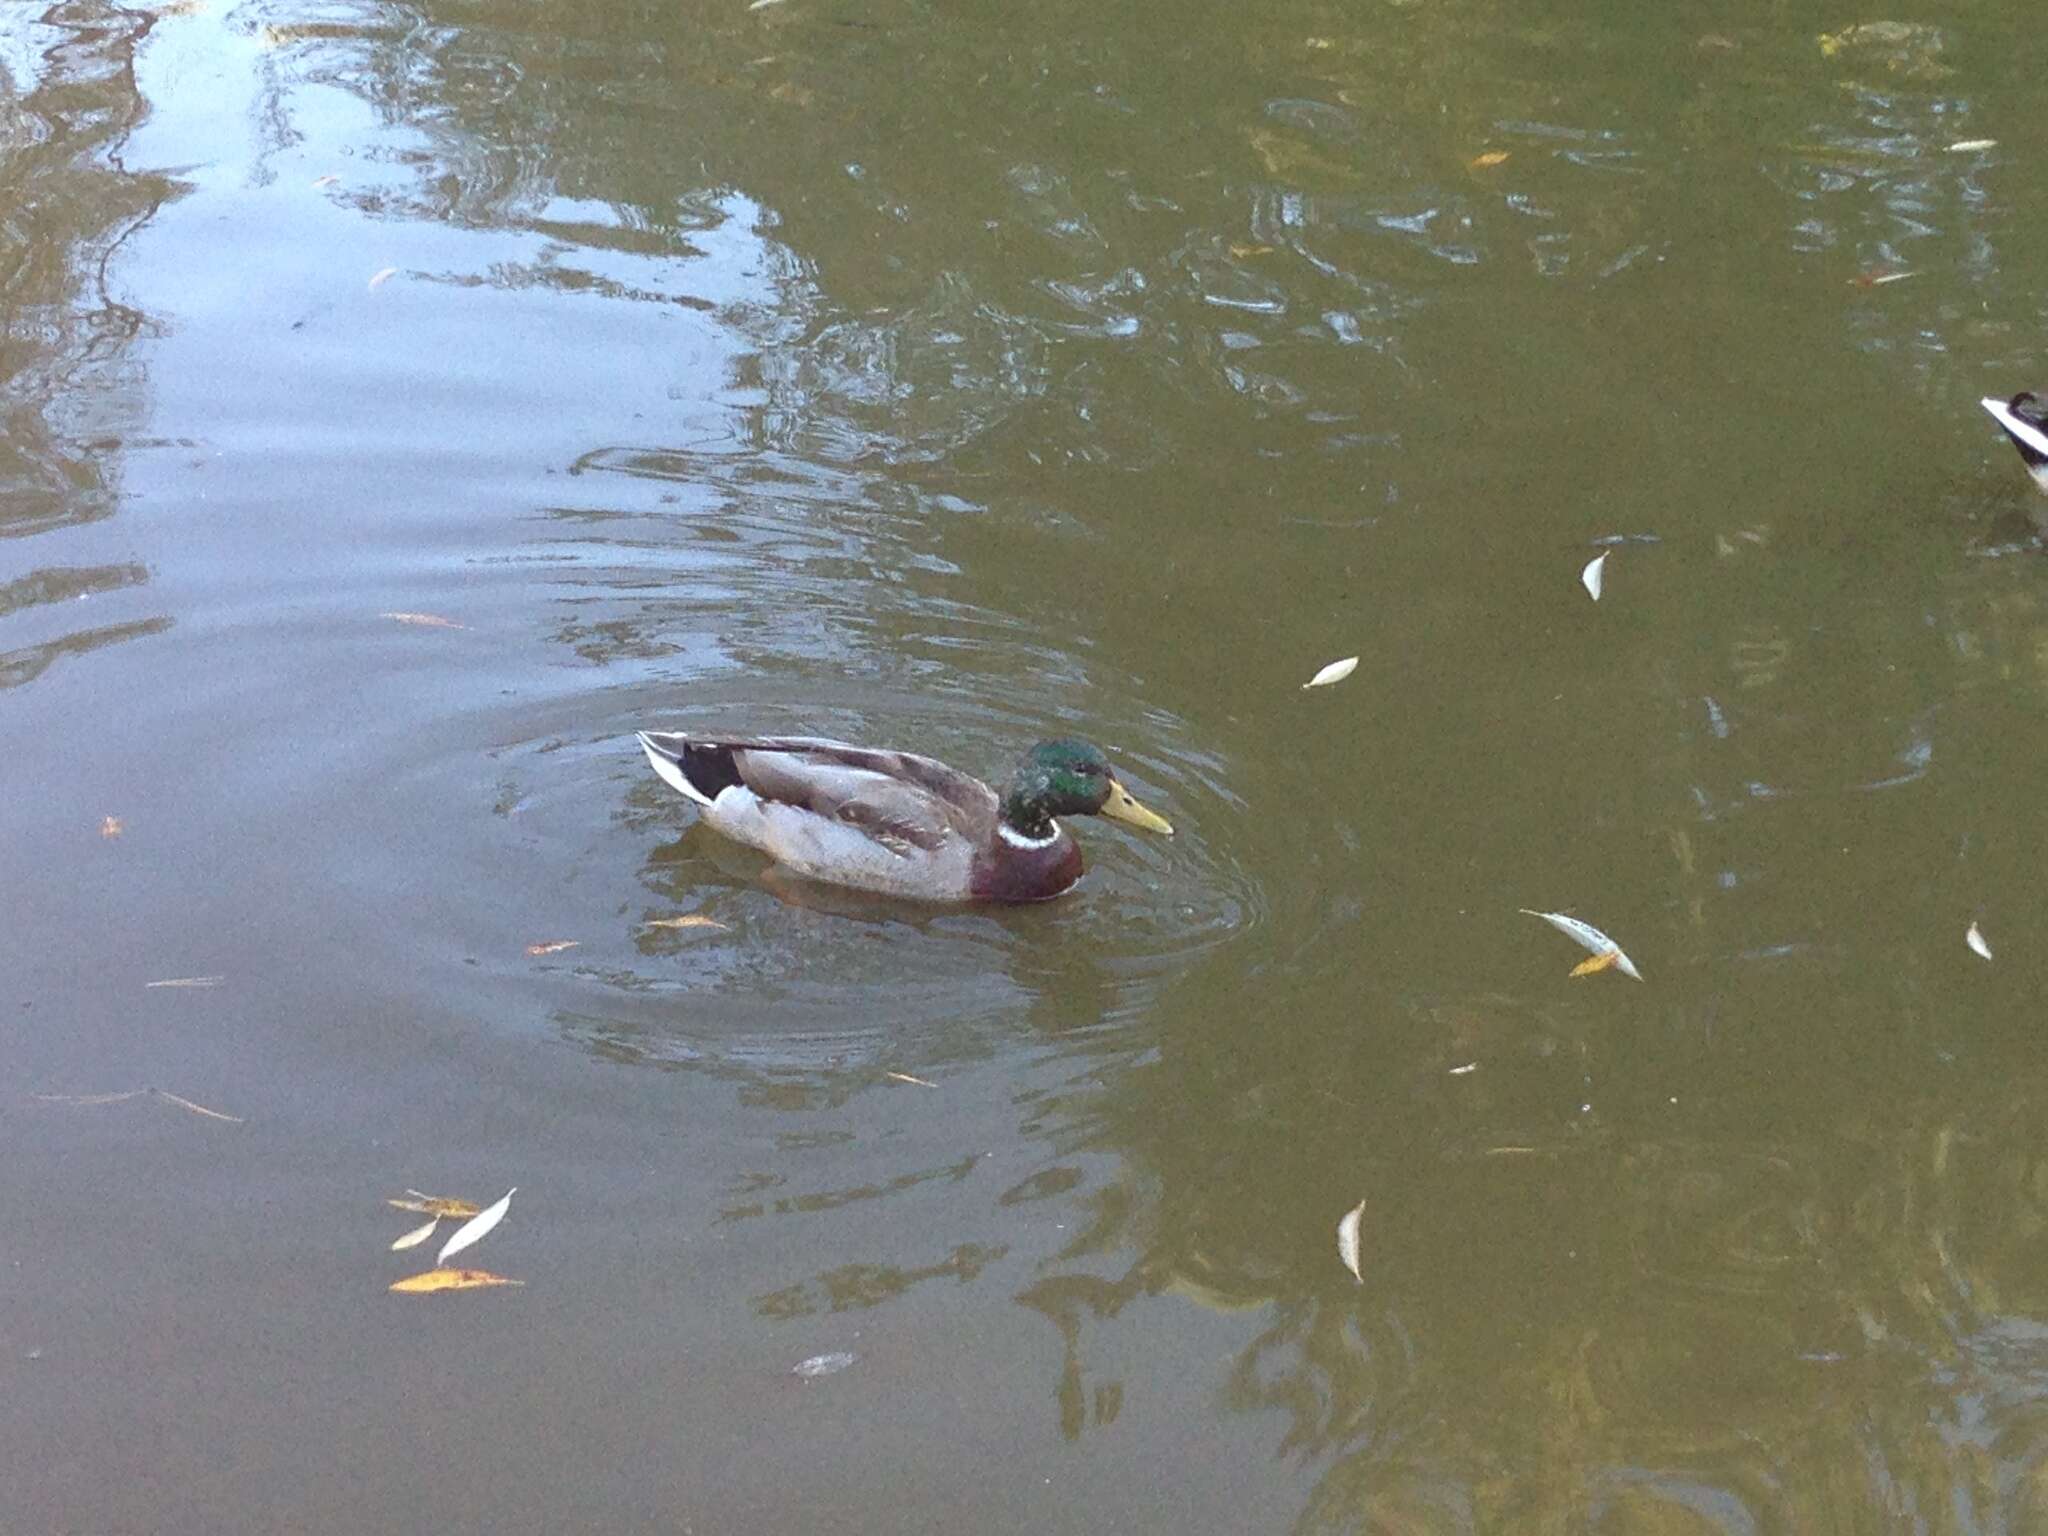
pixel 708 766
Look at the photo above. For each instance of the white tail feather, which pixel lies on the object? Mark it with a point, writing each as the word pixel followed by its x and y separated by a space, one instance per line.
pixel 2018 430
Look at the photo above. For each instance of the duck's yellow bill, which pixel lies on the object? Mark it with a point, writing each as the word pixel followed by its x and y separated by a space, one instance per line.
pixel 1124 808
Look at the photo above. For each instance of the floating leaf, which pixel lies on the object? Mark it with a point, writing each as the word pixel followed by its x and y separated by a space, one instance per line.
pixel 1593 965
pixel 1589 937
pixel 1971 146
pixel 1590 577
pixel 430 620
pixel 1347 1240
pixel 382 276
pixel 449 1280
pixel 1335 672
pixel 110 826
pixel 1975 939
pixel 691 920
pixel 905 1077
pixel 187 981
pixel 477 1227
pixel 325 181
pixel 1240 252
pixel 1487 161
pixel 823 1365
pixel 416 1236
pixel 762 5
pixel 90 1098
pixel 1878 279
pixel 434 1205
pixel 198 1109
pixel 552 946
pixel 1470 1066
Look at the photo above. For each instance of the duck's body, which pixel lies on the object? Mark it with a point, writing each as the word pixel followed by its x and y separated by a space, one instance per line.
pixel 894 822
pixel 2025 420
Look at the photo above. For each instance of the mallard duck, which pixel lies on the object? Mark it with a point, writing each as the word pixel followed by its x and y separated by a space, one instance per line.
pixel 894 822
pixel 2025 419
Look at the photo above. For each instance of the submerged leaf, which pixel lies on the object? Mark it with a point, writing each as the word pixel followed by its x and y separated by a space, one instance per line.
pixel 1335 672
pixel 1975 939
pixel 1588 937
pixel 416 1236
pixel 1487 161
pixel 110 826
pixel 691 920
pixel 434 1205
pixel 430 620
pixel 1590 577
pixel 449 1280
pixel 1347 1239
pixel 477 1227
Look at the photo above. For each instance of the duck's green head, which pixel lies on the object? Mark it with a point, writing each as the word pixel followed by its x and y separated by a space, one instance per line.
pixel 1070 778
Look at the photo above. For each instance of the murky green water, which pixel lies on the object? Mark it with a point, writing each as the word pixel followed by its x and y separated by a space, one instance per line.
pixel 946 378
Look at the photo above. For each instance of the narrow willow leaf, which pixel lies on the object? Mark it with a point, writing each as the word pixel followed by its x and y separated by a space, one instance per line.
pixel 1975 939
pixel 1589 578
pixel 434 1205
pixel 1588 937
pixel 416 1236
pixel 1593 965
pixel 1335 672
pixel 1487 161
pixel 692 920
pixel 187 981
pixel 382 276
pixel 325 181
pixel 1971 146
pixel 905 1077
pixel 426 620
pixel 552 946
pixel 198 1109
pixel 449 1280
pixel 476 1228
pixel 90 1098
pixel 1347 1240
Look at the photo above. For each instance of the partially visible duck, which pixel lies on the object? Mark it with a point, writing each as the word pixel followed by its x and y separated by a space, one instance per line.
pixel 2025 419
pixel 894 822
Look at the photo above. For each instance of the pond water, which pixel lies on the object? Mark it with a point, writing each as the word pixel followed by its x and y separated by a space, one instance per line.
pixel 401 404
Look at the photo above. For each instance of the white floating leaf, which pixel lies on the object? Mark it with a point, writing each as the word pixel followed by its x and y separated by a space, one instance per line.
pixel 1335 672
pixel 1971 146
pixel 823 1365
pixel 1591 938
pixel 1470 1066
pixel 477 1227
pixel 1347 1240
pixel 1975 940
pixel 1589 578
pixel 416 1236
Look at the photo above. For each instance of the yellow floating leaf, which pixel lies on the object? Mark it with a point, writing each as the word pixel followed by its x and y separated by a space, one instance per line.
pixel 1606 960
pixel 434 1205
pixel 449 1280
pixel 110 826
pixel 430 620
pixel 1489 160
pixel 689 920
pixel 382 276
pixel 1242 251
pixel 416 1236
pixel 905 1077
pixel 552 946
